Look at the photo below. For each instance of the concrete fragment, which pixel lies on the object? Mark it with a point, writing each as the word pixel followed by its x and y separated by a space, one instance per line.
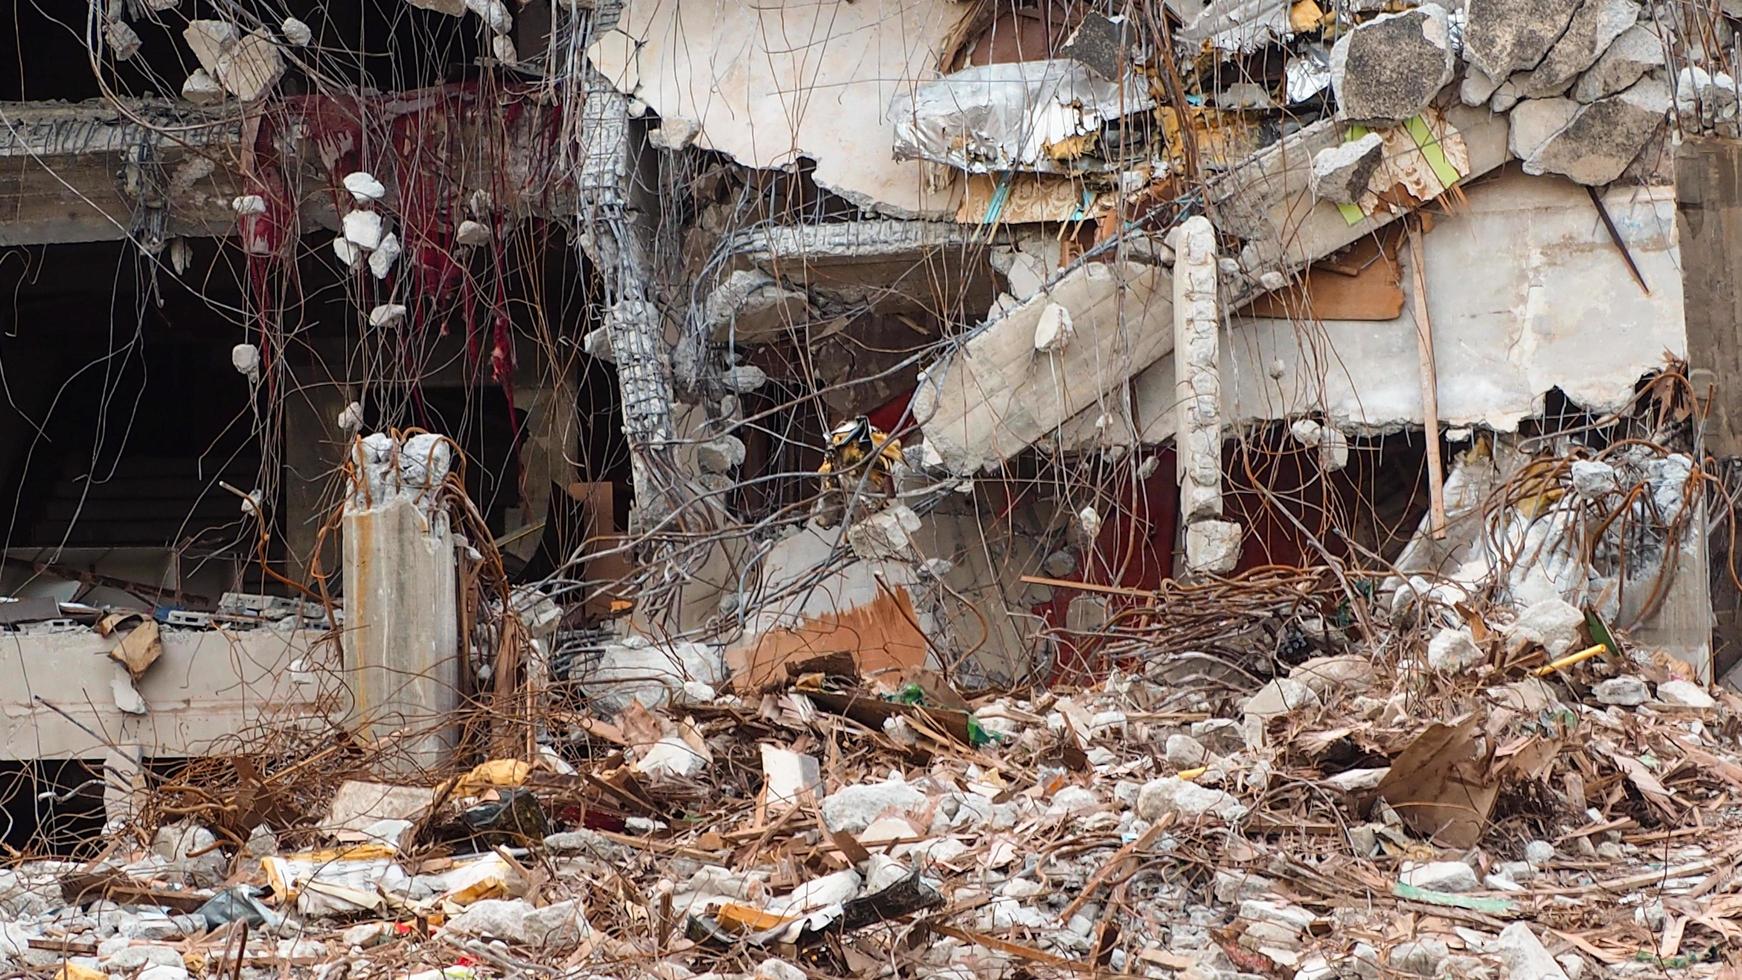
pixel 1506 96
pixel 1604 137
pixel 1341 173
pixel 778 969
pixel 1706 101
pixel 1592 479
pixel 123 40
pixel 245 358
pixel 1504 36
pixel 1524 956
pixel 639 669
pixel 387 315
pixel 1279 697
pixel 362 229
pixel 1170 794
pixel 381 260
pixel 364 187
pixel 597 343
pixel 1186 752
pixel 208 39
pixel 296 32
pixel 751 305
pixel 502 48
pixel 517 922
pixel 1636 51
pixel 473 233
pixel 347 254
pixel 453 8
pixel 675 133
pixel 248 204
pixel 1053 332
pixel 1391 67
pixel 790 777
pixel 136 957
pixel 1553 624
pixel 1595 25
pixel 191 851
pixel 1534 121
pixel 852 808
pixel 202 89
pixel 1477 88
pixel 1213 547
pixel 885 534
pixel 1625 691
pixel 494 13
pixel 1441 876
pixel 1454 651
pixel 721 455
pixel 1685 694
pixel 1026 275
pixel 1326 675
pixel 1538 853
pixel 251 67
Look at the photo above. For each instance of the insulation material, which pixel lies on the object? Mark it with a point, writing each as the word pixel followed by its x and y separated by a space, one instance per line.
pixel 1029 115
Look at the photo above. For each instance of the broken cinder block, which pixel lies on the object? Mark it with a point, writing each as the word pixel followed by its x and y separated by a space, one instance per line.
pixel 1341 173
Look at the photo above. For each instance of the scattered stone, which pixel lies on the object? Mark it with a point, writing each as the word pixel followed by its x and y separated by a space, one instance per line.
pixel 744 378
pixel 250 67
pixel 178 843
pixel 1595 25
pixel 1391 67
pixel 1279 697
pixel 1596 147
pixel 1538 853
pixel 202 89
pixel 1706 102
pixel 1325 675
pixel 1504 36
pixel 1553 624
pixel 453 8
pixel 1685 694
pixel 516 921
pixel 494 13
pixel 1072 799
pixel 1341 173
pixel 1441 876
pixel 885 534
pixel 362 229
pixel 1477 88
pixel 364 187
pixel 502 47
pixel 135 957
pixel 208 39
pixel 1524 956
pixel 123 40
pixel 721 455
pixel 1453 651
pixel 1592 479
pixel 1637 51
pixel 852 808
pixel 296 32
pixel 1186 752
pixel 1170 794
pixel 1505 97
pixel 1625 691
pixel 1026 275
pixel 387 315
pixel 1535 121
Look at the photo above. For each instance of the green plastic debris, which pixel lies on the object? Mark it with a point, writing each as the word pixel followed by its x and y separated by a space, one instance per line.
pixel 1492 906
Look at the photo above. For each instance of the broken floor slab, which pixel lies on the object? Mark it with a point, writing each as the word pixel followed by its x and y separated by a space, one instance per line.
pixel 757 96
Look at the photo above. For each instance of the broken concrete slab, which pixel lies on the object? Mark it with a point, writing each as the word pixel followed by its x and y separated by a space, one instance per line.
pixel 1534 121
pixel 251 67
pixel 1389 68
pixel 752 307
pixel 1595 25
pixel 1341 173
pixel 1604 137
pixel 1504 36
pixel 1636 51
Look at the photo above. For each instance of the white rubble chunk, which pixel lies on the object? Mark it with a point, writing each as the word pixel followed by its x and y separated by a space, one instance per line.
pixel 1170 794
pixel 1504 36
pixel 248 204
pixel 1685 694
pixel 381 260
pixel 1477 88
pixel 1279 697
pixel 517 922
pixel 778 969
pixel 1341 173
pixel 1707 101
pixel 885 534
pixel 1538 853
pixel 1053 331
pixel 721 455
pixel 1441 876
pixel 1553 624
pixel 453 8
pixel 346 252
pixel 852 808
pixel 494 13
pixel 790 777
pixel 502 48
pixel 296 32
pixel 1524 956
pixel 1592 478
pixel 1625 691
pixel 208 39
pixel 364 187
pixel 1453 651
pixel 472 233
pixel 674 133
pixel 1327 675
pixel 202 89
pixel 362 229
pixel 245 358
pixel 251 67
pixel 387 315
pixel 1186 752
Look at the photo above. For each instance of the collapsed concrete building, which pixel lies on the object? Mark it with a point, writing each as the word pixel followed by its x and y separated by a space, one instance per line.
pixel 1148 296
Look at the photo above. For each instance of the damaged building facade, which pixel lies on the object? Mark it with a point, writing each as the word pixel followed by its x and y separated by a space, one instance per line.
pixel 444 381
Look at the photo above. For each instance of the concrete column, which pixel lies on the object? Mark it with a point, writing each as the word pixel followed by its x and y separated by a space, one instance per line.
pixel 402 639
pixel 1212 545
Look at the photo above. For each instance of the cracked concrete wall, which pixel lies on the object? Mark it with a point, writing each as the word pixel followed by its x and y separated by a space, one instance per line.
pixel 1525 290
pixel 772 82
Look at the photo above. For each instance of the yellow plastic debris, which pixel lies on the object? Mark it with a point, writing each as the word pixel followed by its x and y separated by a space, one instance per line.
pixel 495 774
pixel 1305 16
pixel 73 971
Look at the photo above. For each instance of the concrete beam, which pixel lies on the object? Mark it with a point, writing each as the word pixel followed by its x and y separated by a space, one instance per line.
pixel 984 402
pixel 207 685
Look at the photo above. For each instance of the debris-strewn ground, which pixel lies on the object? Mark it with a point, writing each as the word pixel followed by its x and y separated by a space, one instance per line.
pixel 1462 818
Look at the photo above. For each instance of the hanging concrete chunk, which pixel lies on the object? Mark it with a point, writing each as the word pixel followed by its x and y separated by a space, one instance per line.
pixel 1534 121
pixel 453 8
pixel 1391 67
pixel 1637 51
pixel 1341 173
pixel 1604 137
pixel 208 39
pixel 202 89
pixel 250 67
pixel 1504 36
pixel 1596 25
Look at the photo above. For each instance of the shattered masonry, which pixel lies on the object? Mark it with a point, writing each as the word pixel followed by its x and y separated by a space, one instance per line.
pixel 886 488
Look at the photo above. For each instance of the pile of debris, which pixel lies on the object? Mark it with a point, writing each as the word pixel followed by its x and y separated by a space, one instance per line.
pixel 1571 815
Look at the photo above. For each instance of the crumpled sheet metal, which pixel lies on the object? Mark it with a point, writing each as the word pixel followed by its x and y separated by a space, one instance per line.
pixel 1002 117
